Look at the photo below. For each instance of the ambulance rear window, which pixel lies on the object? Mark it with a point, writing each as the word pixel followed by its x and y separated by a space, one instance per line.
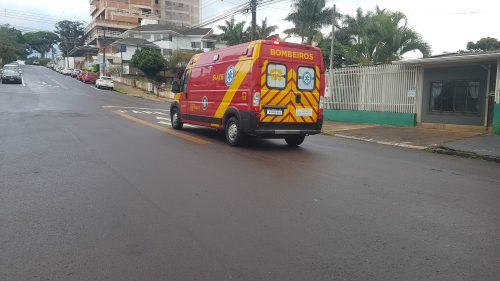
pixel 307 78
pixel 276 76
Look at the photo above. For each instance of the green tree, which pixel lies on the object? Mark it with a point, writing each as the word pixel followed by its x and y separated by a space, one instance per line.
pixel 179 59
pixel 484 44
pixel 41 41
pixel 379 36
pixel 149 61
pixel 308 17
pixel 71 35
pixel 12 46
pixel 233 33
pixel 263 30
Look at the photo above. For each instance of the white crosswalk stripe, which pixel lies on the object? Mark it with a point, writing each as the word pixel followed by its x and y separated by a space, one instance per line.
pixel 162 118
pixel 168 123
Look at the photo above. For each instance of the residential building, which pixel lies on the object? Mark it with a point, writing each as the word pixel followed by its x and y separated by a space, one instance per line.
pixel 180 13
pixel 163 37
pixel 460 90
pixel 169 39
pixel 110 18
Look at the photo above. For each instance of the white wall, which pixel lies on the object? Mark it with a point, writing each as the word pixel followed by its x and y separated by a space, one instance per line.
pixel 129 53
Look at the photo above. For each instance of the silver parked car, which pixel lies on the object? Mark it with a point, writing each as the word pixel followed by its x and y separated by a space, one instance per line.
pixel 11 76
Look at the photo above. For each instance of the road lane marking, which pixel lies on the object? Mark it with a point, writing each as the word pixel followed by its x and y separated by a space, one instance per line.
pixel 131 107
pixel 162 118
pixel 170 124
pixel 160 113
pixel 163 129
pixel 62 86
pixel 146 112
pixel 22 80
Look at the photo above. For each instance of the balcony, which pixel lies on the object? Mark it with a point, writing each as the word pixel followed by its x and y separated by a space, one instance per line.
pixel 114 30
pixel 110 24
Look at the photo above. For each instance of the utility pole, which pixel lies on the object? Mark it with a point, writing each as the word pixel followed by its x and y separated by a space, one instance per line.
pixel 103 70
pixel 253 7
pixel 334 22
pixel 121 58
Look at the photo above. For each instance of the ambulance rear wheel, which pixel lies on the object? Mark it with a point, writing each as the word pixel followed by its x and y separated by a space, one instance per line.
pixel 295 140
pixel 233 132
pixel 174 119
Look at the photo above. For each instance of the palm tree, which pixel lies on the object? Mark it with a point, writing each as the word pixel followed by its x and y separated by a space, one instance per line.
pixel 233 32
pixel 398 38
pixel 308 16
pixel 263 30
pixel 381 36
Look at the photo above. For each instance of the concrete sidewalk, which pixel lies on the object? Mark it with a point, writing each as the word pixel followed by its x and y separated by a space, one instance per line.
pixel 410 137
pixel 485 146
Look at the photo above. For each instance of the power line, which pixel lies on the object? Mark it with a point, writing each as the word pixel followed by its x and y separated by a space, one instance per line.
pixel 226 14
pixel 6 12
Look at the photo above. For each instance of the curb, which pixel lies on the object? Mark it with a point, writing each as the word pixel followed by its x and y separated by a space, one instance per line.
pixel 449 151
pixel 404 145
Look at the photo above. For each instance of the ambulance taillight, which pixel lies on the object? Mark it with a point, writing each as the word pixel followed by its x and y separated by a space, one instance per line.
pixel 256 102
pixel 321 106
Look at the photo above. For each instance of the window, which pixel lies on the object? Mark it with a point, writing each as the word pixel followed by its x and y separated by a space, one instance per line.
pixel 166 52
pixel 209 45
pixel 307 78
pixel 455 96
pixel 168 3
pixel 196 45
pixel 157 37
pixel 276 76
pixel 167 37
pixel 185 80
pixel 146 36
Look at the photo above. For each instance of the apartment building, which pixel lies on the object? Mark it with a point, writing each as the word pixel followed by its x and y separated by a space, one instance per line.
pixel 110 18
pixel 180 13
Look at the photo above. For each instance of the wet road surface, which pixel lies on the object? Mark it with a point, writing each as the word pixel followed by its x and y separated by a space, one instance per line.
pixel 94 185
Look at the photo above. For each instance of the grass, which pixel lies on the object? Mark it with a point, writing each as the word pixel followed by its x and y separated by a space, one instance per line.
pixel 121 90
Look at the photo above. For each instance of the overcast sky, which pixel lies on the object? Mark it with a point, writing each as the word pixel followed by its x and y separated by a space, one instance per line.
pixel 446 24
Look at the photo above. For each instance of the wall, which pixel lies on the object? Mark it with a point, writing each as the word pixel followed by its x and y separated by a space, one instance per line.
pixel 495 125
pixel 143 85
pixel 469 72
pixel 371 117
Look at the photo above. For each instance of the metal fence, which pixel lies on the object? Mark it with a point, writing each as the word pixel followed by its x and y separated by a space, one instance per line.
pixel 384 88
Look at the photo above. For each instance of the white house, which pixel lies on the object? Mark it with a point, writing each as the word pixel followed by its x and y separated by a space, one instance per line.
pixel 163 37
pixel 170 39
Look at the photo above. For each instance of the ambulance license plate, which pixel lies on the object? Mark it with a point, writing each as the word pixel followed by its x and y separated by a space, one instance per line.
pixel 274 112
pixel 307 112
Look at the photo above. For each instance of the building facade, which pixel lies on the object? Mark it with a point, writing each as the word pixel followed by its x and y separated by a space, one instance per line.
pixel 180 13
pixel 110 18
pixel 164 38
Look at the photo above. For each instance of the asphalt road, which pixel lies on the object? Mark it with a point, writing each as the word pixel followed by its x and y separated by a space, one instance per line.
pixel 94 186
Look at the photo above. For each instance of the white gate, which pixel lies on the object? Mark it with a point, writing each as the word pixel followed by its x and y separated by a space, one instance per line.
pixel 383 88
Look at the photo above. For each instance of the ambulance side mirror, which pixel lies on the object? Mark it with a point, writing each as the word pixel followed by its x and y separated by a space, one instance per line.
pixel 176 86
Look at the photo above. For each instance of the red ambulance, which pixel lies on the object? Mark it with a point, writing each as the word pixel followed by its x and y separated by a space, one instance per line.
pixel 264 88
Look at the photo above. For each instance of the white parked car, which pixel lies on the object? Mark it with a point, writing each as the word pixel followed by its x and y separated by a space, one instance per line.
pixel 104 82
pixel 67 71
